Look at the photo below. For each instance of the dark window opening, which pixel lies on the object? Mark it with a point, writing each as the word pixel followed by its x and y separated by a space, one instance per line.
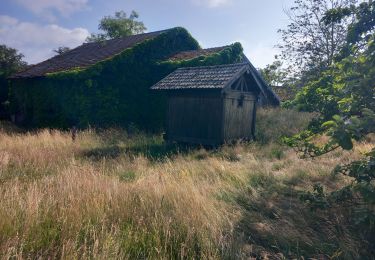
pixel 240 101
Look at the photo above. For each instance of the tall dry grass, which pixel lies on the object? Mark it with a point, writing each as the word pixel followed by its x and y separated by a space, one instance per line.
pixel 275 123
pixel 109 195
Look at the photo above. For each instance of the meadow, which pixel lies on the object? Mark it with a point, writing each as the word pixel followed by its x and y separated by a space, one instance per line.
pixel 111 194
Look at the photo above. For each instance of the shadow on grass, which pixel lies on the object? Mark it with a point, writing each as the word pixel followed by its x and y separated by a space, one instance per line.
pixel 154 151
pixel 278 225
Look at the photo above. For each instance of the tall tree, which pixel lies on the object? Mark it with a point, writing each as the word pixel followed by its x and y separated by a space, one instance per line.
pixel 118 26
pixel 344 96
pixel 10 62
pixel 310 43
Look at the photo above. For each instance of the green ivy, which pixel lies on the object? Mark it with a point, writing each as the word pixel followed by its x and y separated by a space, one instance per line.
pixel 115 91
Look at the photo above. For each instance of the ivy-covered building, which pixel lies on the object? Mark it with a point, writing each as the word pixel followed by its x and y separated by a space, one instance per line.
pixel 108 83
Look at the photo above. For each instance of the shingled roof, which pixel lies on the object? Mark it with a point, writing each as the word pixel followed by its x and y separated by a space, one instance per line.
pixel 85 55
pixel 207 77
pixel 187 55
pixel 215 77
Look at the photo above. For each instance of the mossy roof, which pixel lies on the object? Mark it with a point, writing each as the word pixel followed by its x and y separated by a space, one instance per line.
pixel 89 54
pixel 85 55
pixel 187 55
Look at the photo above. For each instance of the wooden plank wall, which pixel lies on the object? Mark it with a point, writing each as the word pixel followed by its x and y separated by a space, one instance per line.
pixel 238 116
pixel 195 118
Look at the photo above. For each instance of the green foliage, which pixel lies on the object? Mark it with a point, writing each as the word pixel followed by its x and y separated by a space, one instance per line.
pixel 113 92
pixel 10 62
pixel 347 86
pixel 319 96
pixel 359 195
pixel 118 26
pixel 360 30
pixel 311 40
pixel 363 171
pixel 344 97
pixel 274 74
pixel 231 54
pixel 280 80
pixel 340 131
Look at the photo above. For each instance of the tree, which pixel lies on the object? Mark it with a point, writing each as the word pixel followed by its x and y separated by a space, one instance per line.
pixel 274 74
pixel 310 43
pixel 61 50
pixel 344 96
pixel 323 94
pixel 10 62
pixel 278 77
pixel 118 26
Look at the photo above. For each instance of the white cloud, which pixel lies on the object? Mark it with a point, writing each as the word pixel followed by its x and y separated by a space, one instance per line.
pixel 212 3
pixel 260 54
pixel 36 41
pixel 7 20
pixel 48 8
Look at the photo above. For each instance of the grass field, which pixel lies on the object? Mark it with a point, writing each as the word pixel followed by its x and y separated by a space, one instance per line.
pixel 110 195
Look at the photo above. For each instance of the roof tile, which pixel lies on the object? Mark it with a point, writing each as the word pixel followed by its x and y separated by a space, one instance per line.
pixel 208 77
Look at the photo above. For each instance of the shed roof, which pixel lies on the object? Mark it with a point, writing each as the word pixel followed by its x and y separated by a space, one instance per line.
pixel 216 77
pixel 85 55
pixel 207 77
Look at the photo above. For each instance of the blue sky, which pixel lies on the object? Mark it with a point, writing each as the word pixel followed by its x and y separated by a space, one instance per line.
pixel 36 27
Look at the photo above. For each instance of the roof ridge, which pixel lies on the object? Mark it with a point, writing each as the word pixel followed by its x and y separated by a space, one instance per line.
pixel 127 36
pixel 215 66
pixel 191 54
pixel 104 42
pixel 207 49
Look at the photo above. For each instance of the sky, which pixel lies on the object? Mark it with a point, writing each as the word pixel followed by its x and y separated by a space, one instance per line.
pixel 36 27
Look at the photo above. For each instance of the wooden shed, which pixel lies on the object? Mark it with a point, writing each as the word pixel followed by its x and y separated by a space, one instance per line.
pixel 212 105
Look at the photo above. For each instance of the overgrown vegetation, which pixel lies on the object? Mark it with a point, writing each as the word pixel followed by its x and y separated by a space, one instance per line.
pixel 342 94
pixel 11 61
pixel 124 194
pixel 106 94
pixel 112 194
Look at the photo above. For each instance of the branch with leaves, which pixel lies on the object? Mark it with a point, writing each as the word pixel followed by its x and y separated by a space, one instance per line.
pixel 118 26
pixel 344 96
